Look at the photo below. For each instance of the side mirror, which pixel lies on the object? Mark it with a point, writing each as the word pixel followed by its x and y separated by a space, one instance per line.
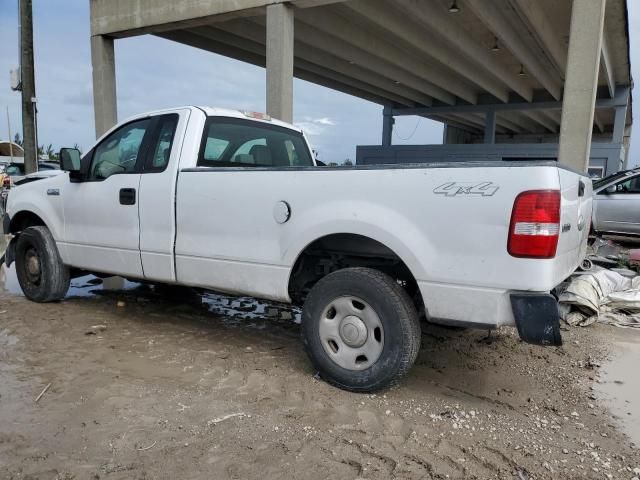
pixel 610 189
pixel 70 160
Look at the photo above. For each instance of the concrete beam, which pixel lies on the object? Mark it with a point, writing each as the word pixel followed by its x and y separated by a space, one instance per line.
pixel 127 18
pixel 438 20
pixel 354 34
pixel 524 122
pixel 490 127
pixel 585 43
pixel 309 35
pixel 550 42
pixel 495 19
pixel 607 65
pixel 597 121
pixel 280 62
pixel 244 55
pixel 620 99
pixel 543 120
pixel 323 59
pixel 451 121
pixel 104 84
pixel 426 43
pixel 255 45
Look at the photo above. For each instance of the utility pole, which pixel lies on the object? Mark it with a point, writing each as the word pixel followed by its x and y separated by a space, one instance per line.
pixel 10 137
pixel 27 72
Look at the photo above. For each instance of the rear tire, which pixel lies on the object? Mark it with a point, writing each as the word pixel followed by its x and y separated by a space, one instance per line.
pixel 360 329
pixel 41 274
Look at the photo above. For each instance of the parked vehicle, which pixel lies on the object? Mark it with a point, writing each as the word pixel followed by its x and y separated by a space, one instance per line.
pixel 616 203
pixel 13 172
pixel 234 202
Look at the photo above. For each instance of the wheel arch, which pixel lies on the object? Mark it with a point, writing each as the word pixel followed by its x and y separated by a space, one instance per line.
pixel 338 250
pixel 25 219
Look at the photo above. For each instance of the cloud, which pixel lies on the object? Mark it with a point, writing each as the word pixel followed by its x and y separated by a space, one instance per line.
pixel 315 126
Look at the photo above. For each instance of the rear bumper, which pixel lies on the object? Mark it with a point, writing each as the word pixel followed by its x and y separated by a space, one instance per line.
pixel 535 314
pixel 537 318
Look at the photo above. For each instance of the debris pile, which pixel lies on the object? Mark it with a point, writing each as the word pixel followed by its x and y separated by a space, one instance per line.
pixel 604 289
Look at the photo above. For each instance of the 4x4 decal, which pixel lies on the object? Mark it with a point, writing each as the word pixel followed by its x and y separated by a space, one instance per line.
pixel 451 189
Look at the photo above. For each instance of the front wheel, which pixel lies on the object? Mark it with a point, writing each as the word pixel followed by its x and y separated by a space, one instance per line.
pixel 41 274
pixel 360 329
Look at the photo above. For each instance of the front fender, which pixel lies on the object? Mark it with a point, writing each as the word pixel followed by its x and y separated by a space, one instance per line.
pixel 33 197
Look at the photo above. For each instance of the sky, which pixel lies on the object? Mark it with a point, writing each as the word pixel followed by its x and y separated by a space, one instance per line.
pixel 153 73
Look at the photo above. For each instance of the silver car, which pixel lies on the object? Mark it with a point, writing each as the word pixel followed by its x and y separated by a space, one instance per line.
pixel 616 203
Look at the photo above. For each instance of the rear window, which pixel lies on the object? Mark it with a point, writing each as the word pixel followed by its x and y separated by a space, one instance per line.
pixel 229 142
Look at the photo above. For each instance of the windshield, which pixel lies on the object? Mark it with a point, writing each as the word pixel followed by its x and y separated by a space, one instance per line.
pixel 611 178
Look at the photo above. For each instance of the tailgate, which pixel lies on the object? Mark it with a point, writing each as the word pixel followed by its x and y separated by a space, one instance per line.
pixel 575 219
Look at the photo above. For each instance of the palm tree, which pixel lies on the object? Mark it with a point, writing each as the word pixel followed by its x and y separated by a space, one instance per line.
pixel 50 152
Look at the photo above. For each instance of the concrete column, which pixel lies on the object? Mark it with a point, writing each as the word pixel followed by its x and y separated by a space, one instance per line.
pixel 104 83
pixel 280 38
pixel 387 127
pixel 619 124
pixel 490 127
pixel 583 63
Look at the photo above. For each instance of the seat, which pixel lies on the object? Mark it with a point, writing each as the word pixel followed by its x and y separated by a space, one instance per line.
pixel 261 155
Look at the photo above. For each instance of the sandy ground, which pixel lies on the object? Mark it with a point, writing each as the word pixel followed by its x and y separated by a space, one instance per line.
pixel 221 388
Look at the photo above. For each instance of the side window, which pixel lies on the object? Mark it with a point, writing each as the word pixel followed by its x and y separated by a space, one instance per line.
pixel 230 142
pixel 214 148
pixel 163 141
pixel 118 153
pixel 631 185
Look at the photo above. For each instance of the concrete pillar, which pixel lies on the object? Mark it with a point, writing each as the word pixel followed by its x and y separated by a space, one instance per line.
pixel 490 127
pixel 104 83
pixel 280 38
pixel 619 124
pixel 583 63
pixel 387 127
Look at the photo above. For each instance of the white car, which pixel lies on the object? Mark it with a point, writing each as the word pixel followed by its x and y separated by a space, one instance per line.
pixel 233 201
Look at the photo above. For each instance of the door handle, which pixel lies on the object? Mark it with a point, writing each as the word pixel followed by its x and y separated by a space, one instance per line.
pixel 127 196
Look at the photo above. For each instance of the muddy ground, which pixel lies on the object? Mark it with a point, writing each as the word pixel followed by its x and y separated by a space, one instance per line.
pixel 145 387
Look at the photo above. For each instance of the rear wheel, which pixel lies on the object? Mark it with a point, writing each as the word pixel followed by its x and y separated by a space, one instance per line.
pixel 41 274
pixel 360 329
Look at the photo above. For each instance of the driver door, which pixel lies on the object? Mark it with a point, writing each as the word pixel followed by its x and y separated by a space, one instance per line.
pixel 102 227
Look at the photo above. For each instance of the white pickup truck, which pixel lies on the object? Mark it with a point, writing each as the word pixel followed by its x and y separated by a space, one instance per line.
pixel 234 202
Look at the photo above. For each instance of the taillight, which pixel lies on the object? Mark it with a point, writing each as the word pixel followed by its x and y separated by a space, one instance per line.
pixel 535 224
pixel 6 182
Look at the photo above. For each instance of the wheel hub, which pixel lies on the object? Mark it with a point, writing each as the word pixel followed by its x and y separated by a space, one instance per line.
pixel 33 265
pixel 353 331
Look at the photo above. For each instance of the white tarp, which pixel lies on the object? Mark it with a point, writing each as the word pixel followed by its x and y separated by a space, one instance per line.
pixel 603 296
